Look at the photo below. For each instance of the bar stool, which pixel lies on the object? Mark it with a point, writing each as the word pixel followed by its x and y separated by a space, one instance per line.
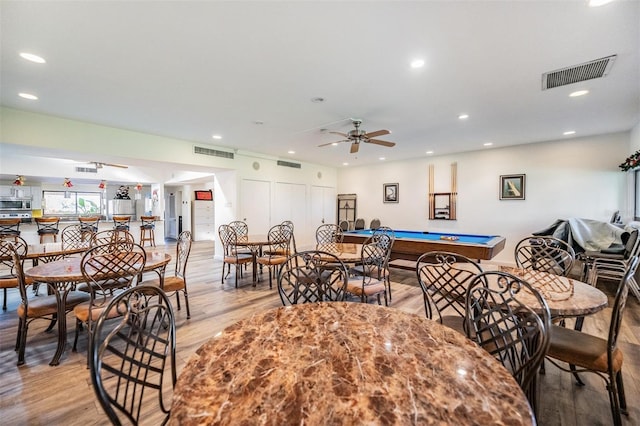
pixel 147 230
pixel 121 223
pixel 48 226
pixel 10 228
pixel 89 223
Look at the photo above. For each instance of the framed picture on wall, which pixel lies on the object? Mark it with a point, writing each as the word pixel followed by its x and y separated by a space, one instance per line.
pixel 512 187
pixel 390 193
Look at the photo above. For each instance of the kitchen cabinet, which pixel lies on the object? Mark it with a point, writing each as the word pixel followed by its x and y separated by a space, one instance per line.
pixel 203 220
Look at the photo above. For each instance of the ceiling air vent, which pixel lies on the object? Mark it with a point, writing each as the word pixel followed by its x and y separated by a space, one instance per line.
pixel 212 152
pixel 576 73
pixel 86 170
pixel 289 164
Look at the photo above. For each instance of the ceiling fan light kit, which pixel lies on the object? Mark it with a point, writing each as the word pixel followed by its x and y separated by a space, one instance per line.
pixel 356 136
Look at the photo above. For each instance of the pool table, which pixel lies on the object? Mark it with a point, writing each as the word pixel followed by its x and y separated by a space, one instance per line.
pixel 410 245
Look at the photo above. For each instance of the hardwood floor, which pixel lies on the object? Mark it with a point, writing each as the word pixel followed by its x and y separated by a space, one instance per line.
pixel 37 394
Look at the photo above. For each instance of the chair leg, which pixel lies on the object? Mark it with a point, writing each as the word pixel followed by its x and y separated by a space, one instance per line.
pixel 75 339
pixel 18 334
pixel 579 381
pixel 613 399
pixel 23 341
pixel 621 397
pixel 4 304
pixel 178 299
pixel 186 303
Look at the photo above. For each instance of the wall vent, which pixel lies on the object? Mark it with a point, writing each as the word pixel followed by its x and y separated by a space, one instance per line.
pixel 86 170
pixel 589 70
pixel 212 152
pixel 289 164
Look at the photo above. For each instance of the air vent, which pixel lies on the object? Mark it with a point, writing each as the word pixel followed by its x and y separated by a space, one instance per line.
pixel 576 73
pixel 289 164
pixel 212 152
pixel 86 170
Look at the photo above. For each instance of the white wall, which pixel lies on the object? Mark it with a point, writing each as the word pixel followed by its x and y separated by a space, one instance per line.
pixel 566 178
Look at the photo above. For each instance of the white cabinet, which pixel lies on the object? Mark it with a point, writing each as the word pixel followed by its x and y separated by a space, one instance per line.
pixel 203 220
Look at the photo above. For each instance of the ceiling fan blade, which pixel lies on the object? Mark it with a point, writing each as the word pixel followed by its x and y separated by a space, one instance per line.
pixel 332 143
pixel 377 133
pixel 379 142
pixel 344 135
pixel 354 147
pixel 116 165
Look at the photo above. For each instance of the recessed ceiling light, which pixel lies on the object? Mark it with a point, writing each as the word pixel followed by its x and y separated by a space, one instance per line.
pixel 487 143
pixel 569 132
pixel 28 96
pixel 463 116
pixel 291 152
pixel 382 158
pixel 429 152
pixel 334 144
pixel 216 137
pixel 33 58
pixel 579 93
pixel 345 164
pixel 596 3
pixel 417 63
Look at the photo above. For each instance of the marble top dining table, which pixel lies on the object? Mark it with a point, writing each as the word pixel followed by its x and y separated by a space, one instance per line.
pixel 344 363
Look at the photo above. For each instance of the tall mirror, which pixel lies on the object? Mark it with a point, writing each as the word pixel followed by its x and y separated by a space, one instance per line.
pixel 442 205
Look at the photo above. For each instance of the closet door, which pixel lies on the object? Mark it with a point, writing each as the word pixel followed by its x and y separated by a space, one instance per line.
pixel 255 207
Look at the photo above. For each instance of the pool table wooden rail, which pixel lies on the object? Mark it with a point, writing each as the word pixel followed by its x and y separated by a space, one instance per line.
pixel 410 249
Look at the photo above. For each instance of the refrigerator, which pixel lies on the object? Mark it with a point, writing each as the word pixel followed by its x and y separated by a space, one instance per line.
pixel 121 207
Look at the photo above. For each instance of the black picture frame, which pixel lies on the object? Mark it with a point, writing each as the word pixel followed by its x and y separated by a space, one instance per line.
pixel 512 187
pixel 390 193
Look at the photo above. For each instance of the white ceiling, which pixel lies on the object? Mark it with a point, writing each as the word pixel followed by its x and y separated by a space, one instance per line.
pixel 191 69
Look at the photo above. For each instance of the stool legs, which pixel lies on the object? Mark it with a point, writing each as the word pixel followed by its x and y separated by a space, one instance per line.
pixel 147 235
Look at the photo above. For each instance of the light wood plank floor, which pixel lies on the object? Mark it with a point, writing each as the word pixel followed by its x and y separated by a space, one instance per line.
pixel 37 394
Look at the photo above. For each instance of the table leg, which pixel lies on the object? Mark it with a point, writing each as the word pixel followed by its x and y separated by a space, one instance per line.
pixel 62 327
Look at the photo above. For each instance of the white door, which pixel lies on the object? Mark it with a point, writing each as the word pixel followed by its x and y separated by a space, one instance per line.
pixel 323 208
pixel 170 219
pixel 255 205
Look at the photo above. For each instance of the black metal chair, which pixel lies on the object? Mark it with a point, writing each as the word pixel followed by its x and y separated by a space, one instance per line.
pixel 511 331
pixel 279 238
pixel 369 279
pixel 545 254
pixel 76 236
pixel 8 273
pixel 112 239
pixel 129 360
pixel 312 276
pixel 177 282
pixel 444 278
pixel 232 256
pixel 328 235
pixel 107 271
pixel 595 354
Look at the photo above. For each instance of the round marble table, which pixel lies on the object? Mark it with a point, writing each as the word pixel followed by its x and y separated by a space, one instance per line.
pixel 344 363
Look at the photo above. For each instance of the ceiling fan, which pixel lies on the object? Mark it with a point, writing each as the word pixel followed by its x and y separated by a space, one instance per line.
pixel 100 164
pixel 356 136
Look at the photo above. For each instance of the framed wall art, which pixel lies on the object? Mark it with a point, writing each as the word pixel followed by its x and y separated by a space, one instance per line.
pixel 512 187
pixel 390 193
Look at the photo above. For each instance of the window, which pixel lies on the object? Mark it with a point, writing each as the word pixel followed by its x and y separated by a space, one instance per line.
pixel 70 203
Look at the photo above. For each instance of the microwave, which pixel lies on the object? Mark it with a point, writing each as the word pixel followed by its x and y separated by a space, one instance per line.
pixel 15 203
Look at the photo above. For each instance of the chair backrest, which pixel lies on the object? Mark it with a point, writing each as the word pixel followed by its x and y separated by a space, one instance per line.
pixel 279 238
pixel 383 235
pixel 373 261
pixel 312 276
pixel 513 332
pixel 228 239
pixel 121 223
pixel 47 224
pixel 444 278
pixel 289 224
pixel 632 246
pixel 147 222
pixel 128 362
pixel 327 236
pixel 359 223
pixel 617 311
pixel 183 248
pixel 89 223
pixel 107 269
pixel 344 225
pixel 7 249
pixel 10 227
pixel 76 236
pixel 545 254
pixel 375 223
pixel 240 228
pixel 113 239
